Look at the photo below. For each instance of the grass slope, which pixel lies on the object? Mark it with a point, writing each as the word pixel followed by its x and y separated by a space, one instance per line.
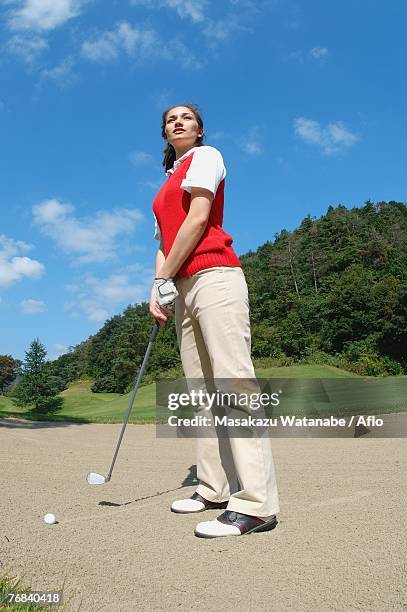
pixel 80 404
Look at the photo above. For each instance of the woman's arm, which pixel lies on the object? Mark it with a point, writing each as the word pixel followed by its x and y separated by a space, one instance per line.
pixel 189 233
pixel 159 258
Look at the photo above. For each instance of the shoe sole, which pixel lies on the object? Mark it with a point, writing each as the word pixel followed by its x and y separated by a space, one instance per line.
pixel 266 527
pixel 222 506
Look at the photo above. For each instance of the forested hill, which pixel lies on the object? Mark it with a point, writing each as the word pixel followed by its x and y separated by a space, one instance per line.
pixel 334 290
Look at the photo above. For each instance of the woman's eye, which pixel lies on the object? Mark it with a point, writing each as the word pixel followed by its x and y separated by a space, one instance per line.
pixel 171 120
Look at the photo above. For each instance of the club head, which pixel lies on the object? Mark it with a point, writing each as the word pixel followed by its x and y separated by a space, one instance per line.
pixel 96 479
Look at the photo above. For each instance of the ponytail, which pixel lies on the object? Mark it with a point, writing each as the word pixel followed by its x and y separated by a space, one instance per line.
pixel 169 157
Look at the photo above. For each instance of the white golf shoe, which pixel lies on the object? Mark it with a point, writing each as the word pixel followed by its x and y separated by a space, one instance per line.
pixel 232 523
pixel 195 503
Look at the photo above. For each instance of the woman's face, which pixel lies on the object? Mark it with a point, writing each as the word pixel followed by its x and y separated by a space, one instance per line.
pixel 181 127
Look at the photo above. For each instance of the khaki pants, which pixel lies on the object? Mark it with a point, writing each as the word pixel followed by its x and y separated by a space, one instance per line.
pixel 213 331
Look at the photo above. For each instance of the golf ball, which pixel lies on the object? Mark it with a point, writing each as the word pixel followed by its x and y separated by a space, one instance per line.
pixel 50 519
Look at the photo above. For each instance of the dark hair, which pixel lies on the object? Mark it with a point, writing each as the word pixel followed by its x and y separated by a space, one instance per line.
pixel 169 151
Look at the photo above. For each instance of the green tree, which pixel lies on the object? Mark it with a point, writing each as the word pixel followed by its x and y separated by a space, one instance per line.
pixel 8 370
pixel 266 341
pixel 294 338
pixel 35 389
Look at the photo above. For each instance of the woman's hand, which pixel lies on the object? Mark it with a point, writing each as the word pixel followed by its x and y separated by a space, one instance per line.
pixel 160 313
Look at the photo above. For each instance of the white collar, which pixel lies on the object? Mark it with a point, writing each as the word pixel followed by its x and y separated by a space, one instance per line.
pixel 181 159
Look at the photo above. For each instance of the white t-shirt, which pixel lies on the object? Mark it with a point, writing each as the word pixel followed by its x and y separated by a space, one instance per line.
pixel 207 170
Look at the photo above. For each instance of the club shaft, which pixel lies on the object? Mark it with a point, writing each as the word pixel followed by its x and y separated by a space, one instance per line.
pixel 133 395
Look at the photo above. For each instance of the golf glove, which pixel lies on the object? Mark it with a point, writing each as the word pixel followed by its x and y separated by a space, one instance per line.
pixel 166 291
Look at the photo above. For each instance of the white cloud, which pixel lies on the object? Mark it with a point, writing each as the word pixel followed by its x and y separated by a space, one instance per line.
pixel 62 73
pixel 192 9
pixel 32 306
pixel 56 351
pixel 315 54
pixel 164 99
pixel 252 147
pixel 319 52
pixel 98 298
pixel 13 265
pixel 59 347
pixel 250 143
pixel 136 43
pixel 124 38
pixel 332 139
pixel 218 135
pixel 89 239
pixel 27 48
pixel 140 157
pixel 220 29
pixel 103 49
pixel 297 56
pixel 33 19
pixel 42 14
pixel 214 29
pixel 294 16
pixel 177 51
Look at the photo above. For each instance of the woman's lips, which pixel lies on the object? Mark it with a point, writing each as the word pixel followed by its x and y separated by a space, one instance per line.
pixel 178 130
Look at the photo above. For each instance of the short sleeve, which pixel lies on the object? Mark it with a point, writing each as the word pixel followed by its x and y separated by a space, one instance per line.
pixel 207 170
pixel 157 234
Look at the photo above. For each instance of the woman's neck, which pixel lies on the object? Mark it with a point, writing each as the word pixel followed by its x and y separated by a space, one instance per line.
pixel 180 152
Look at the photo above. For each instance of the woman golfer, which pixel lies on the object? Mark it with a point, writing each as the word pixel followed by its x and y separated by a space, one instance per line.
pixel 198 270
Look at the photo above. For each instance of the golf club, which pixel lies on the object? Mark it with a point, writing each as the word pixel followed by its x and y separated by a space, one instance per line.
pixel 96 479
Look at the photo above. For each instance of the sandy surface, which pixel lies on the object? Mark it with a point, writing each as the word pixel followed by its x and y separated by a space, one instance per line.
pixel 340 543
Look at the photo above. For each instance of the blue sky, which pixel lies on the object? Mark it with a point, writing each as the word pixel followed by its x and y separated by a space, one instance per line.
pixel 305 101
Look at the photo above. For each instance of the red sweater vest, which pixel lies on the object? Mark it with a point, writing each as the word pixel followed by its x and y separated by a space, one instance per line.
pixel 171 207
